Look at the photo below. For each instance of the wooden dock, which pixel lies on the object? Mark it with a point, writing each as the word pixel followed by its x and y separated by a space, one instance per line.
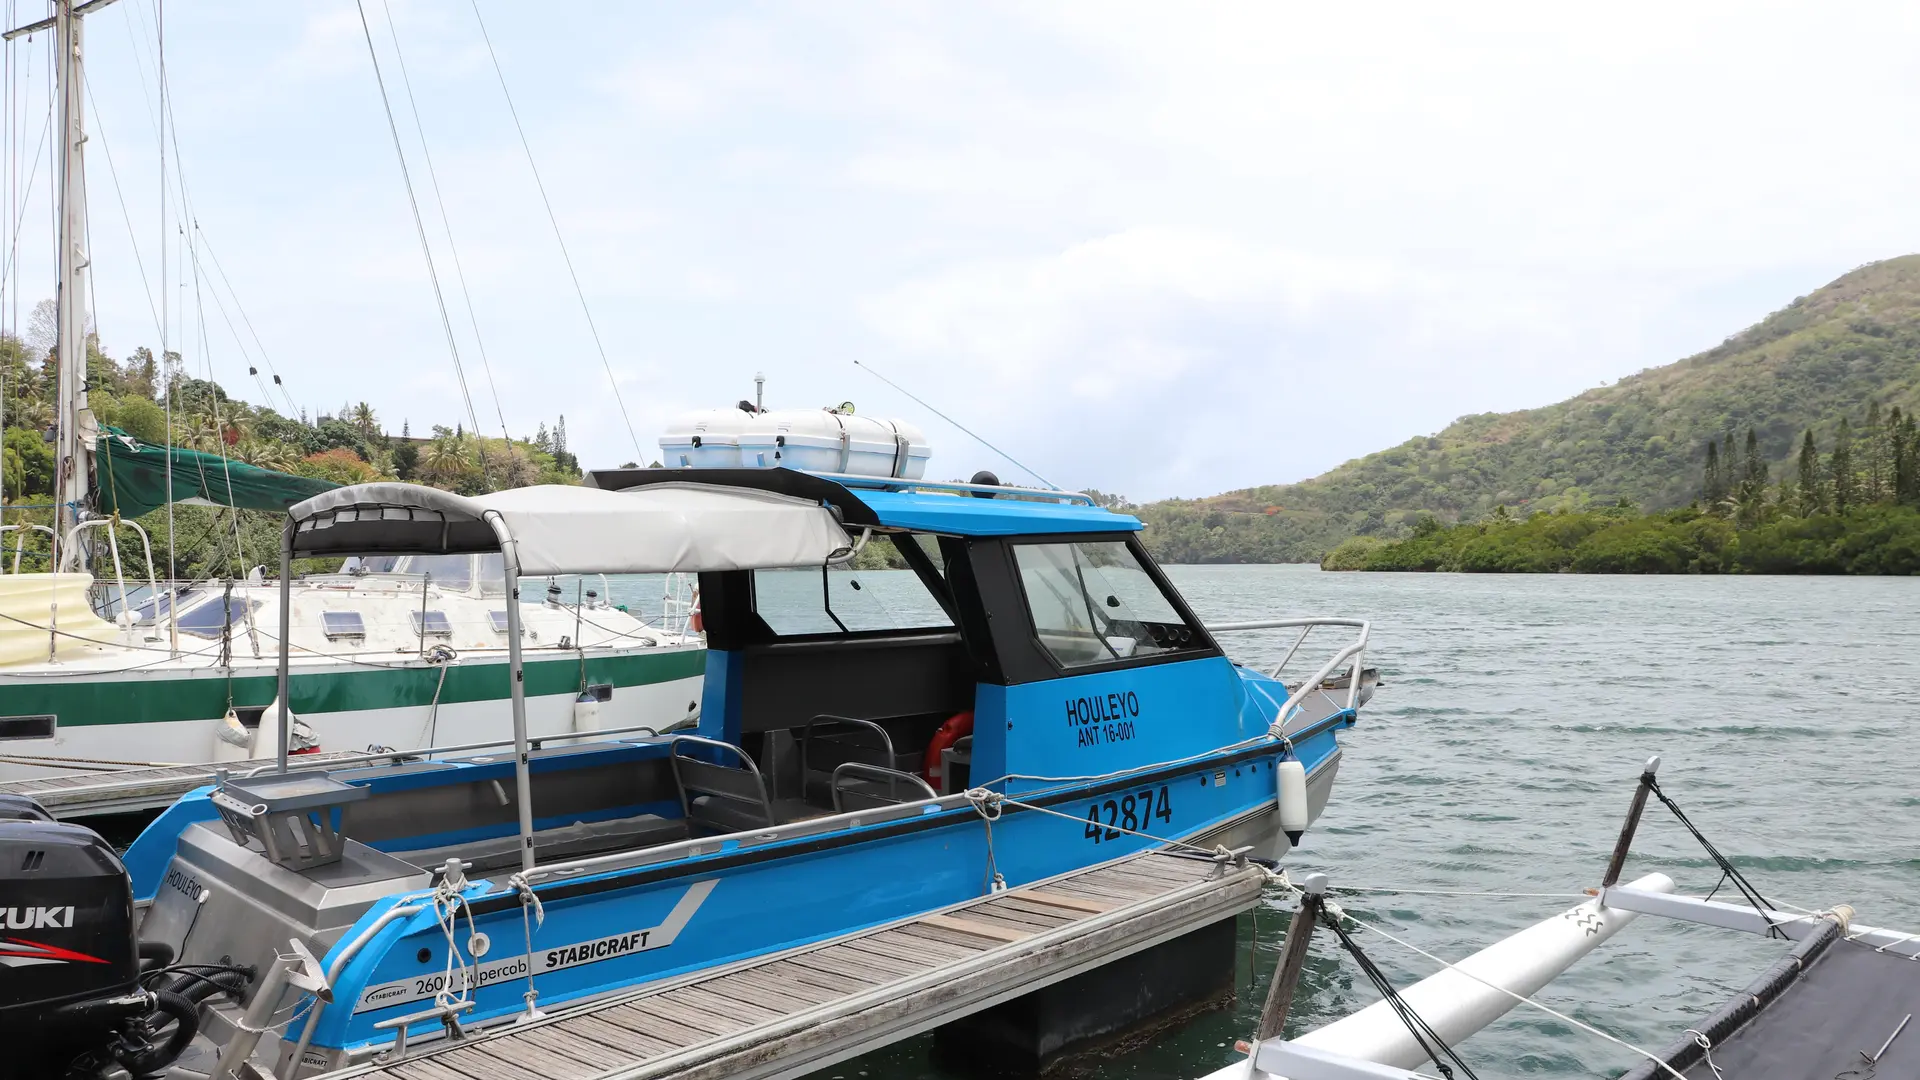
pixel 791 1013
pixel 121 791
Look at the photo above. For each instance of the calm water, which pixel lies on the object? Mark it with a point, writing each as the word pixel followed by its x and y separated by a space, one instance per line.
pixel 1500 756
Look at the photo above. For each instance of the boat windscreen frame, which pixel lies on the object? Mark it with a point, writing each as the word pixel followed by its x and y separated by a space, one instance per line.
pixel 1020 655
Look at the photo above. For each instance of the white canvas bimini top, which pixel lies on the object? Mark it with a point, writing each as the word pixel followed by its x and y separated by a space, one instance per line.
pixel 555 529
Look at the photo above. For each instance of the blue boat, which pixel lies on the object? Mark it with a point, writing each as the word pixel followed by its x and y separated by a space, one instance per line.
pixel 1056 705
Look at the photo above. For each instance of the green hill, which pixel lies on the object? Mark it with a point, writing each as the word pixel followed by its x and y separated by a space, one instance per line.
pixel 1643 438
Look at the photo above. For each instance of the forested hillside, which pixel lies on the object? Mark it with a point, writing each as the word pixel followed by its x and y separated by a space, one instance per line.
pixel 1644 438
pixel 158 403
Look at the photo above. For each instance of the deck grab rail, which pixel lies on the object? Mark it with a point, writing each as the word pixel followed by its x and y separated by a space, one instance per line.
pixel 1354 653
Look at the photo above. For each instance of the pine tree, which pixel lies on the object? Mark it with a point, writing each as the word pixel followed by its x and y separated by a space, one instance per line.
pixel 1840 468
pixel 1906 450
pixel 560 436
pixel 1899 463
pixel 1755 479
pixel 1873 455
pixel 1812 497
pixel 1713 487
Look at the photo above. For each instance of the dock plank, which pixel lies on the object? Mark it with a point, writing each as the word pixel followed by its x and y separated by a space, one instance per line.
pixel 979 929
pixel 844 952
pixel 972 943
pixel 670 1006
pixel 747 1012
pixel 832 980
pixel 786 997
pixel 425 1069
pixel 590 1051
pixel 839 964
pixel 654 1026
pixel 1061 900
pixel 622 1040
pixel 933 948
pixel 487 1064
pixel 536 1059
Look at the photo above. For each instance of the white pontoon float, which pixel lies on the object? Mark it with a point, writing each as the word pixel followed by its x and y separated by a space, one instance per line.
pixel 1839 1004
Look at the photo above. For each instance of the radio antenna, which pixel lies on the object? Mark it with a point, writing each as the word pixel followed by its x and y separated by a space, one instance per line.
pixel 868 368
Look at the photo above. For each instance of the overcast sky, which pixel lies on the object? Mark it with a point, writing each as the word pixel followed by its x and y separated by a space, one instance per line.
pixel 1157 249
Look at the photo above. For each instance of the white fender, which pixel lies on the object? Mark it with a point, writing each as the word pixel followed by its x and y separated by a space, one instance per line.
pixel 266 736
pixel 1458 1002
pixel 586 712
pixel 1294 816
pixel 231 739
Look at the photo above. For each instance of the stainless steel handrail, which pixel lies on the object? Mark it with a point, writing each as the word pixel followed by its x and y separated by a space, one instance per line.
pixel 1354 652
pixel 891 776
pixel 399 757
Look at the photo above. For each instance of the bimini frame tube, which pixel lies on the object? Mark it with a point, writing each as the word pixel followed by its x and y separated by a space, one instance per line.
pixel 516 687
pixel 281 681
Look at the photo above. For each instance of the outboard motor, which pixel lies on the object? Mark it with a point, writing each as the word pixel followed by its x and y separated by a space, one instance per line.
pixel 70 962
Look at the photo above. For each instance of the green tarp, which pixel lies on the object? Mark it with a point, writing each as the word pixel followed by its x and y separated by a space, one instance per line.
pixel 132 479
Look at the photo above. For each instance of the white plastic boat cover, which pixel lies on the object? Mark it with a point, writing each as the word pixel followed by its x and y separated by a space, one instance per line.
pixel 555 529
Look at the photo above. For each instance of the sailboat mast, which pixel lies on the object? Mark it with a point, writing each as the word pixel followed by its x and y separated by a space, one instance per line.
pixel 74 463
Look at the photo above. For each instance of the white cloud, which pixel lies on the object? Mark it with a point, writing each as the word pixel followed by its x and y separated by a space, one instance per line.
pixel 1155 248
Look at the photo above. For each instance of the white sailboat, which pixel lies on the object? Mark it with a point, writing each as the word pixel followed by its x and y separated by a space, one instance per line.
pixel 393 653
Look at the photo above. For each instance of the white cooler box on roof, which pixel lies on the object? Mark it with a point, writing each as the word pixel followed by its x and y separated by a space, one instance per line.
pixel 706 439
pixel 818 440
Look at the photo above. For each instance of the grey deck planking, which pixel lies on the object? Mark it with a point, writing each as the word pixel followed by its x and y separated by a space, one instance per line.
pixel 674 1021
pixel 613 1036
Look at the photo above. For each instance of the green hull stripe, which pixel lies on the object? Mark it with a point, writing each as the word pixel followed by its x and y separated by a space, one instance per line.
pixel 160 699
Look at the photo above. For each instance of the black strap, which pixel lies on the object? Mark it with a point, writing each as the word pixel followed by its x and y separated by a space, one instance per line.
pixel 1727 870
pixel 1422 1034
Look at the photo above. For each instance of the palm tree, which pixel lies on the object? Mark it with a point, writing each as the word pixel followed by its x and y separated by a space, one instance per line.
pixel 362 417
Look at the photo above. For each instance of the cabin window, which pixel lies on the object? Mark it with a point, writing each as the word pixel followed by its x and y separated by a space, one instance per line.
pixel 28 727
pixel 431 623
pixel 1093 603
pixel 453 573
pixel 498 619
pixel 211 618
pixel 342 624
pixel 889 596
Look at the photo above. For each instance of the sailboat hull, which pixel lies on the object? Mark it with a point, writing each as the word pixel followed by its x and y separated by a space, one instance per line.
pixel 170 713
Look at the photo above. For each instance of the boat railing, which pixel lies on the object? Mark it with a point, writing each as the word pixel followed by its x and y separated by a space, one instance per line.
pixel 20 542
pixel 113 525
pixel 1353 652
pixel 400 757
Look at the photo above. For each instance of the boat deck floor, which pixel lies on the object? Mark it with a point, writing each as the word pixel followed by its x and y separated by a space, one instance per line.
pixel 791 1013
pixel 119 791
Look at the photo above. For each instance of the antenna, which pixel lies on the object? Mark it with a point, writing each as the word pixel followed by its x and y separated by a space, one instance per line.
pixel 759 392
pixel 868 368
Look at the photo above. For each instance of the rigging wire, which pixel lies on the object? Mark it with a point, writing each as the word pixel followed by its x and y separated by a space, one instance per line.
pixel 100 128
pixel 426 250
pixel 433 182
pixel 165 134
pixel 557 235
pixel 869 369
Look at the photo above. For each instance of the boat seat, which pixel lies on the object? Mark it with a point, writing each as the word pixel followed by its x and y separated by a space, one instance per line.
pixel 561 842
pixel 719 798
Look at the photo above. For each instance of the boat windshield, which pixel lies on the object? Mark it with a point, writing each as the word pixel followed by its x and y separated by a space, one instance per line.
pixel 1093 603
pixel 848 601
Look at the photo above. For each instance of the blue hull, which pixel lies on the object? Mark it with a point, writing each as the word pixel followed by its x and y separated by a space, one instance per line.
pixel 619 930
